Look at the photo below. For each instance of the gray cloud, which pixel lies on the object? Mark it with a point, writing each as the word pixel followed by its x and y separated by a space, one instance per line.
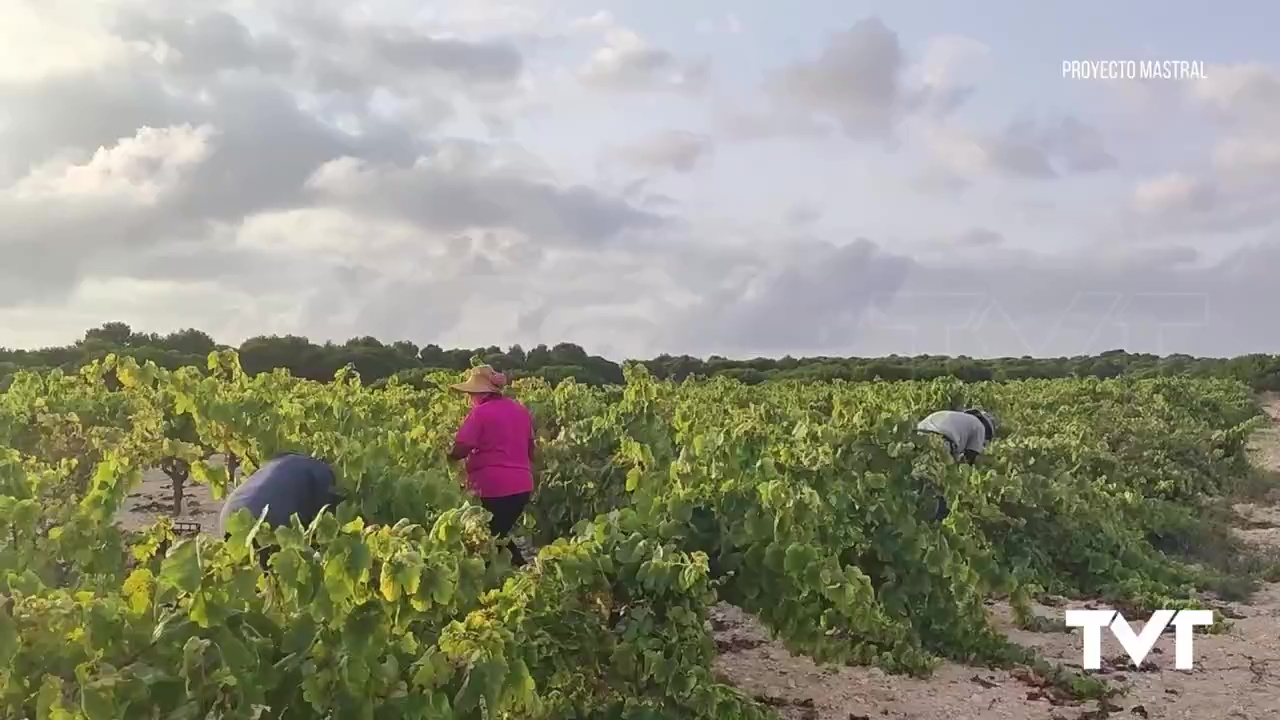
pixel 209 43
pixel 1026 149
pixel 85 194
pixel 861 85
pixel 1244 96
pixel 670 151
pixel 855 80
pixel 81 111
pixel 859 299
pixel 261 153
pixel 858 85
pixel 246 181
pixel 803 215
pixel 1241 190
pixel 1016 157
pixel 809 300
pixel 1158 300
pixel 980 237
pixel 471 61
pixel 446 198
pixel 1179 205
pixel 337 55
pixel 1078 146
pixel 752 124
pixel 395 57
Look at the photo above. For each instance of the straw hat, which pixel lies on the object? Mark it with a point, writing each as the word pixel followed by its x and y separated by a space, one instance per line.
pixel 482 379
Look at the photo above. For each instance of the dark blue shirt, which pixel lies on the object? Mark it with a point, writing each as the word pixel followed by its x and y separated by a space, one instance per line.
pixel 286 485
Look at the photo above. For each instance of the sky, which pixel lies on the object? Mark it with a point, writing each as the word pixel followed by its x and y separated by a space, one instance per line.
pixel 820 177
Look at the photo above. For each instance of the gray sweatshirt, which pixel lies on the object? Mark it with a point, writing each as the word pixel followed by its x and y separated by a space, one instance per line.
pixel 286 485
pixel 962 430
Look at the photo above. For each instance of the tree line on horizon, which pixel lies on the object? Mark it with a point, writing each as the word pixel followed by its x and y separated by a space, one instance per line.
pixel 377 362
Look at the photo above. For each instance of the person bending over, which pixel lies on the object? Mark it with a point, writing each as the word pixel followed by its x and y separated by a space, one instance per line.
pixel 966 433
pixel 287 485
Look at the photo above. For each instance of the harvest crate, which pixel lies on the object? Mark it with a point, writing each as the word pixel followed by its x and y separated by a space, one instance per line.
pixel 186 528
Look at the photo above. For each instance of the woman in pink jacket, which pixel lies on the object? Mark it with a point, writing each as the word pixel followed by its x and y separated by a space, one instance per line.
pixel 496 438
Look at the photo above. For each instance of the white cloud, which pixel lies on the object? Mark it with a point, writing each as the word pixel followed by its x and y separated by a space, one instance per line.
pixel 952 61
pixel 1247 93
pixel 1036 149
pixel 54 37
pixel 326 170
pixel 139 169
pixel 1240 189
pixel 1173 193
pixel 494 17
pixel 628 62
pixel 602 21
pixel 1248 158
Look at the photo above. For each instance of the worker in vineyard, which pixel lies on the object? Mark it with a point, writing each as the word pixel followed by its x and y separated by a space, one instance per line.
pixel 496 440
pixel 286 485
pixel 966 433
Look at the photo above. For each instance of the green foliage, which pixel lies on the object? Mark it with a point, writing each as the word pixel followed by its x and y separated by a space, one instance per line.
pixel 799 502
pixel 404 362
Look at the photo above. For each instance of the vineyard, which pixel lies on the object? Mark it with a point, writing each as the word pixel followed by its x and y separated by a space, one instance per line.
pixel 804 504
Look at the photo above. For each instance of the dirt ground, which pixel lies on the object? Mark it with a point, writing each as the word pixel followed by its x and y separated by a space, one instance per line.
pixel 154 497
pixel 1237 674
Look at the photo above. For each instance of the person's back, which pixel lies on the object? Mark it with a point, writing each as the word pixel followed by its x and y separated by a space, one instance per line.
pixel 498 431
pixel 286 485
pixel 965 433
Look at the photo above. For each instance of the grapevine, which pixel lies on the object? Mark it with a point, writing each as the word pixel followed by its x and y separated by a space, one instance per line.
pixel 799 502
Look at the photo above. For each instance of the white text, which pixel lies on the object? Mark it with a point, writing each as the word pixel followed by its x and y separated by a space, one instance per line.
pixel 1134 69
pixel 1137 645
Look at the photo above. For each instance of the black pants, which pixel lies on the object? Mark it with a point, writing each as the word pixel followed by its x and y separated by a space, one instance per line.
pixel 506 511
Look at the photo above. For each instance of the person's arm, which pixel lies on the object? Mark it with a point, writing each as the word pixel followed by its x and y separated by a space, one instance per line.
pixel 326 488
pixel 976 441
pixel 468 437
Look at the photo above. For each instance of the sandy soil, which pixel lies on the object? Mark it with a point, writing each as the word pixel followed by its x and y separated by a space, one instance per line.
pixel 154 497
pixel 1260 521
pixel 1237 674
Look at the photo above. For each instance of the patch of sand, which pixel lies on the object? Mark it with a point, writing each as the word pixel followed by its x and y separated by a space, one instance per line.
pixel 153 498
pixel 1236 677
pixel 1237 674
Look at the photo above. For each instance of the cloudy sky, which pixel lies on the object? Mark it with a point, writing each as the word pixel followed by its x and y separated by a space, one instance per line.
pixel 711 176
